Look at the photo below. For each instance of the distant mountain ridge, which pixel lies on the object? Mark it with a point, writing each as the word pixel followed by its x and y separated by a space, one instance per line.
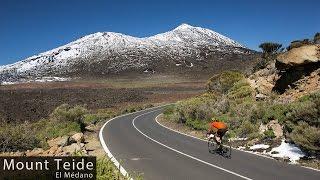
pixel 104 53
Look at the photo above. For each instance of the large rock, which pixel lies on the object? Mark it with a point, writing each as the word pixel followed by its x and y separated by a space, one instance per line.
pixel 59 141
pixel 299 56
pixel 35 152
pixel 78 138
pixel 275 126
pixel 264 80
pixel 72 148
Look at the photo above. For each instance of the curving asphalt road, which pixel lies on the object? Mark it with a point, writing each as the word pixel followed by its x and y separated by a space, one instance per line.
pixel 140 144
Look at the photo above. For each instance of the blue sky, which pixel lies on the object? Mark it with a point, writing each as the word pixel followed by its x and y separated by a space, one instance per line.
pixel 33 26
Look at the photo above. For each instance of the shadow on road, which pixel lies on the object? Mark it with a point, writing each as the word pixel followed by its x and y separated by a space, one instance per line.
pixel 224 153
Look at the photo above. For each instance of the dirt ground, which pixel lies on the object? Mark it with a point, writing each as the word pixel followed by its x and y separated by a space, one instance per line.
pixel 33 101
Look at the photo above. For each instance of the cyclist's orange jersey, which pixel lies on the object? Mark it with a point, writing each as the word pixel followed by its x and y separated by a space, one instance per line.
pixel 218 125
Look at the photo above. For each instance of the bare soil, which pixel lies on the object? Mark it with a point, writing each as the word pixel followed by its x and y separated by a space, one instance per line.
pixel 33 101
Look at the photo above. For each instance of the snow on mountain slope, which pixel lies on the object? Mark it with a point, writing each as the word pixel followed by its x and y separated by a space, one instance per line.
pixel 186 34
pixel 109 52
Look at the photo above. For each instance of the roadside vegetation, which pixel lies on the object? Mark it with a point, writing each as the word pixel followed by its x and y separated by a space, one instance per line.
pixel 64 120
pixel 230 98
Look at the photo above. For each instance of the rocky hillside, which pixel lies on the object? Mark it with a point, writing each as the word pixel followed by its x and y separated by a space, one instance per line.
pixel 293 74
pixel 185 49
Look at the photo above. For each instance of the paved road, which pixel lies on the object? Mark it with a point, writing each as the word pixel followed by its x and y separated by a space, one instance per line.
pixel 140 144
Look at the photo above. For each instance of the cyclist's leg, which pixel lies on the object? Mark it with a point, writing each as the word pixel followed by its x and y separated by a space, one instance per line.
pixel 211 130
pixel 218 136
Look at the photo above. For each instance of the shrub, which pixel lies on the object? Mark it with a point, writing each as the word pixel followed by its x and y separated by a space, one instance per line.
pixel 197 124
pixel 97 117
pixel 73 115
pixel 14 137
pixel 241 89
pixel 213 84
pixel 270 48
pixel 224 81
pixel 247 129
pixel 307 137
pixel 298 43
pixel 306 109
pixel 64 128
pixel 258 112
pixel 106 169
pixel 316 38
pixel 261 64
pixel 222 105
pixel 269 134
pixel 68 113
pixel 229 78
pixel 200 108
pixel 168 110
pixel 91 119
pixel 276 111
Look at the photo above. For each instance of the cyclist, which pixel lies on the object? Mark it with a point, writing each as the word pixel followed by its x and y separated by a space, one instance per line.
pixel 218 129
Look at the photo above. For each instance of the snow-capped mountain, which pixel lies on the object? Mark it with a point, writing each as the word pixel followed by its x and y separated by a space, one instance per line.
pixel 105 53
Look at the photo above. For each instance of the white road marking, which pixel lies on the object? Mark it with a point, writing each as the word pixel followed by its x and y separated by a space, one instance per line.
pixel 206 140
pixel 106 149
pixel 187 155
pixel 231 147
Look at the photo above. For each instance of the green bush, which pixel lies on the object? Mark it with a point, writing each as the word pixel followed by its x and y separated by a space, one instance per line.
pixel 106 169
pixel 275 111
pixel 269 134
pixel 247 129
pixel 307 109
pixel 197 124
pixel 224 81
pixel 63 128
pixel 168 110
pixel 241 89
pixel 229 78
pixel 200 108
pixel 97 117
pixel 67 113
pixel 17 137
pixel 307 137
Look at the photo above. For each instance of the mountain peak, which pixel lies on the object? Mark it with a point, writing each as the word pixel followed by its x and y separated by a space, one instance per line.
pixel 184 26
pixel 111 52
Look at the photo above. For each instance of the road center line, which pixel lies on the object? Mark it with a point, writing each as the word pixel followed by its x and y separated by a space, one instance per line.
pixel 177 151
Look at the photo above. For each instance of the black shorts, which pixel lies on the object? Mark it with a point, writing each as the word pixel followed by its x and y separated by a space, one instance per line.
pixel 222 132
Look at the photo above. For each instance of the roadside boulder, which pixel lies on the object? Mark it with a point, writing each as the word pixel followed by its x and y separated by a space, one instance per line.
pixel 78 138
pixel 275 126
pixel 35 152
pixel 59 141
pixel 72 148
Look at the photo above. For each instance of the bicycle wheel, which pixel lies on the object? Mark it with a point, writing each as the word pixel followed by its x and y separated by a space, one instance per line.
pixel 227 149
pixel 212 145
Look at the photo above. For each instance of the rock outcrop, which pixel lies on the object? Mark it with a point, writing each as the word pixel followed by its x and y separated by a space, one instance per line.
pixel 293 74
pixel 299 56
pixel 264 80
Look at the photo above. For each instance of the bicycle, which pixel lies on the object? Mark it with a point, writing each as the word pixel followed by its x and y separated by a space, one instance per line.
pixel 213 146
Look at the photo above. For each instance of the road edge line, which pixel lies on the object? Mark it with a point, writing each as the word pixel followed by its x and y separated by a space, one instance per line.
pixel 182 153
pixel 105 147
pixel 261 155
